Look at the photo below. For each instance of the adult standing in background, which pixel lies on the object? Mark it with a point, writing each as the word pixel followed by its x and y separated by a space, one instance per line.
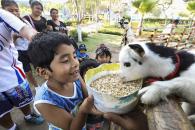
pixel 37 21
pixel 55 24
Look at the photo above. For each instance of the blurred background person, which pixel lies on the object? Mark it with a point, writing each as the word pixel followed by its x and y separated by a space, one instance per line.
pixel 37 21
pixel 55 24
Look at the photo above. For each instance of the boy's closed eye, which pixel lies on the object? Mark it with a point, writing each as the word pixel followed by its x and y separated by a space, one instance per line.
pixel 64 61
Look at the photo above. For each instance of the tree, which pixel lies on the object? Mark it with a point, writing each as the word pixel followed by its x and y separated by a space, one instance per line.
pixel 143 7
pixel 80 16
pixel 191 8
pixel 164 5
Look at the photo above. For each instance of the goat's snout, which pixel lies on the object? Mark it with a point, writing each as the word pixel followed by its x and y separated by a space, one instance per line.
pixel 127 64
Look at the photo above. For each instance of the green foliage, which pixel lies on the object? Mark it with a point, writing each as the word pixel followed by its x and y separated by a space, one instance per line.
pixel 93 41
pixel 184 14
pixel 74 34
pixel 191 7
pixel 144 6
pixel 111 29
pixel 105 31
pixel 71 23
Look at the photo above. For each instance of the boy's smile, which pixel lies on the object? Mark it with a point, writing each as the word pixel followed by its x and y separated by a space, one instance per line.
pixel 64 66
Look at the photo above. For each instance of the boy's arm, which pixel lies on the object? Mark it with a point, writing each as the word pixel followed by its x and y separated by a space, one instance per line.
pixel 16 24
pixel 64 120
pixel 28 32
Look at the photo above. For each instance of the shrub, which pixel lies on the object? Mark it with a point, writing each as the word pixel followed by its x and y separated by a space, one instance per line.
pixel 105 31
pixel 112 29
pixel 74 34
pixel 71 23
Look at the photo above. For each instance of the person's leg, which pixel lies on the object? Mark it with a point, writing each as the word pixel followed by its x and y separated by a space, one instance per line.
pixel 23 57
pixel 5 108
pixel 26 110
pixel 6 121
pixel 21 97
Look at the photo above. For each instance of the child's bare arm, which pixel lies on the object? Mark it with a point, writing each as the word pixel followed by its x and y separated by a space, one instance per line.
pixel 61 118
pixel 64 120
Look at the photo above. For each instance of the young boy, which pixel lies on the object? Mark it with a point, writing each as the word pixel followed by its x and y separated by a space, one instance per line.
pixel 60 98
pixel 103 54
pixel 81 52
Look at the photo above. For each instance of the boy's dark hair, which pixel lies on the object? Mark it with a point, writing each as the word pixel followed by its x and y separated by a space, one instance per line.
pixel 5 3
pixel 53 9
pixel 34 3
pixel 82 47
pixel 103 51
pixel 86 64
pixel 43 47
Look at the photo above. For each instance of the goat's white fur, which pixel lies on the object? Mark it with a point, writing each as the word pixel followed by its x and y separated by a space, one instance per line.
pixel 156 66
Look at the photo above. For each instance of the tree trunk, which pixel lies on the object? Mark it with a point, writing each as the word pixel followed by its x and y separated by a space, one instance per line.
pixel 139 30
pixel 96 11
pixel 110 12
pixel 192 21
pixel 167 116
pixel 79 31
pixel 83 8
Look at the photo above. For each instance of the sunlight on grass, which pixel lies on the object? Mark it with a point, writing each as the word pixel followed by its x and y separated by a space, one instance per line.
pixel 93 41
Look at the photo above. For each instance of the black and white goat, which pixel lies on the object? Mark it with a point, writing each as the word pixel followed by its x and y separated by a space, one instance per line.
pixel 173 72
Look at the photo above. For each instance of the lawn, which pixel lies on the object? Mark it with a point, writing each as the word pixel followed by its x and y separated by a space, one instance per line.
pixel 93 41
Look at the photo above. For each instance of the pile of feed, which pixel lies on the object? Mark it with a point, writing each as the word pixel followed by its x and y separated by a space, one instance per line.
pixel 114 85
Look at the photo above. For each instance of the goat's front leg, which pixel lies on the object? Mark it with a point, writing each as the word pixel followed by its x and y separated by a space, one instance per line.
pixel 182 86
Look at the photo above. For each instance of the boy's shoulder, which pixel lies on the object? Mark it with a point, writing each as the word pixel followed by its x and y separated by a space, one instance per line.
pixel 41 91
pixel 44 93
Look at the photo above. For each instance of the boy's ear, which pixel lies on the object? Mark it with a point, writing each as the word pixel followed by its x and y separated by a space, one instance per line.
pixel 138 49
pixel 43 72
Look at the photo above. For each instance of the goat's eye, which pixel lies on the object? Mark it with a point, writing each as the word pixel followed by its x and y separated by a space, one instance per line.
pixel 127 64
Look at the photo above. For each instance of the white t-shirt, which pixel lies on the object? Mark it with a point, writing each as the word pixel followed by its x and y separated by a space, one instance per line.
pixel 11 70
pixel 22 43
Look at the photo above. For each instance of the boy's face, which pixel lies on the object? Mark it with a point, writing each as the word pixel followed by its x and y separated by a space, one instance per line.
pixel 103 59
pixel 64 66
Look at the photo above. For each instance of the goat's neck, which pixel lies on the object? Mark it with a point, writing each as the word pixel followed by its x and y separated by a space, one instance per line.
pixel 158 66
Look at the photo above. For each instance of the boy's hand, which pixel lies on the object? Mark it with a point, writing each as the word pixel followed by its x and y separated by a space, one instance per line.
pixel 88 107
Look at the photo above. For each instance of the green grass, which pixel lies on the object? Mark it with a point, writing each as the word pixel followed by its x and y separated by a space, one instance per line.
pixel 93 41
pixel 111 30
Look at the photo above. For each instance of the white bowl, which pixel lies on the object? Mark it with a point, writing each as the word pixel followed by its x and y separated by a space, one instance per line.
pixel 106 102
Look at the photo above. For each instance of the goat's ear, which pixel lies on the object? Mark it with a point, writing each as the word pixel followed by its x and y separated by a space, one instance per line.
pixel 138 49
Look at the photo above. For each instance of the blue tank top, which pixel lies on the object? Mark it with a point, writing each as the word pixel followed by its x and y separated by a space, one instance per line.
pixel 46 95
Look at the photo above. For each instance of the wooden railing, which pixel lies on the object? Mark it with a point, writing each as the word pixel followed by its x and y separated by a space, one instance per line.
pixel 167 116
